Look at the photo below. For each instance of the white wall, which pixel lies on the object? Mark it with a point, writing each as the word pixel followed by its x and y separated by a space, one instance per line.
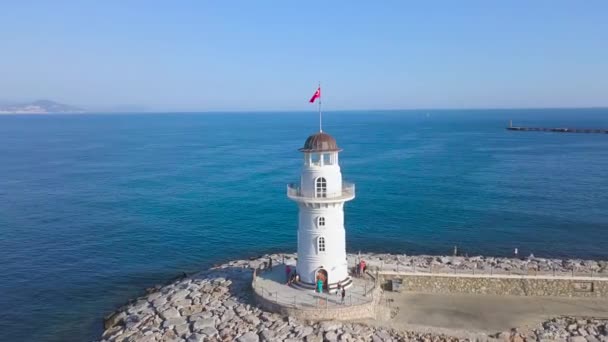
pixel 333 259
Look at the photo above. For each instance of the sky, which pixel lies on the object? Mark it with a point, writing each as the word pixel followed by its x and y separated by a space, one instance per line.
pixel 270 55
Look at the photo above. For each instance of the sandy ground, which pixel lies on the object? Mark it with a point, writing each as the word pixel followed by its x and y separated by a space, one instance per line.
pixel 468 315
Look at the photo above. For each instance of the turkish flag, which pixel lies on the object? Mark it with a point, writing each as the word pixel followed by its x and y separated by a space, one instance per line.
pixel 317 95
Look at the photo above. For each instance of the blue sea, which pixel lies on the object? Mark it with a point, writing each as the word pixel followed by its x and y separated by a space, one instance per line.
pixel 95 208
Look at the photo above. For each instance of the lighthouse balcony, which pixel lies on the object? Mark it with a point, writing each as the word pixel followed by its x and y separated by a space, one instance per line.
pixel 347 193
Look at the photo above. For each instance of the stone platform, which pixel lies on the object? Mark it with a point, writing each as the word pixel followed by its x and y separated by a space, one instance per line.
pixel 274 294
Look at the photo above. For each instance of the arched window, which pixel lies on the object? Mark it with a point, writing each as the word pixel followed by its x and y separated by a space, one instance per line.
pixel 321 187
pixel 321 244
pixel 321 221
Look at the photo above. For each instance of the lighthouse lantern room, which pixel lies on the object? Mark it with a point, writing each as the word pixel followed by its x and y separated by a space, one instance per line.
pixel 320 196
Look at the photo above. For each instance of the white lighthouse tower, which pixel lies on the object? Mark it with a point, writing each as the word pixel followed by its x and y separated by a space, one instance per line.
pixel 320 196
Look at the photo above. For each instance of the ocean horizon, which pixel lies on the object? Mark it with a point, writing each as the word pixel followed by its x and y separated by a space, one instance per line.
pixel 94 208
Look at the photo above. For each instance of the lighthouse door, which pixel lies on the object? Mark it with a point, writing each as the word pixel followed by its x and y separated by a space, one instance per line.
pixel 322 276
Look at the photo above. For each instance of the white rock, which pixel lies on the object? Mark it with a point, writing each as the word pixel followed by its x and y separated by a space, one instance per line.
pixel 182 329
pixel 170 313
pixel 248 337
pixel 203 323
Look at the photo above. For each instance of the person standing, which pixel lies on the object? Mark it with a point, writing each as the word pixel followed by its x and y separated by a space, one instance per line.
pixel 320 285
pixel 339 288
pixel 270 263
pixel 287 273
pixel 343 295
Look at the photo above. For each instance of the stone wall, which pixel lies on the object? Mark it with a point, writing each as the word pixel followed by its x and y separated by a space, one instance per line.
pixel 500 284
pixel 366 310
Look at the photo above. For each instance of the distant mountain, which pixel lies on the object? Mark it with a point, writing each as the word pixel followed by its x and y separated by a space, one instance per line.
pixel 39 107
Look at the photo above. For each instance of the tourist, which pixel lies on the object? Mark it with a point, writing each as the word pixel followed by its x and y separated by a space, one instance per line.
pixel 343 295
pixel 320 285
pixel 339 287
pixel 287 273
pixel 270 264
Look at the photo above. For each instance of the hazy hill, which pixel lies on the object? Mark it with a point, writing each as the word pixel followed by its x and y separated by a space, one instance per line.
pixel 39 107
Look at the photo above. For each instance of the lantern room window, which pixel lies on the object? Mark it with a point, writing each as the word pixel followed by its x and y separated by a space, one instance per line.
pixel 321 187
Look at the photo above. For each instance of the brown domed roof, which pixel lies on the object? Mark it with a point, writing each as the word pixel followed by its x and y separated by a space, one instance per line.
pixel 320 142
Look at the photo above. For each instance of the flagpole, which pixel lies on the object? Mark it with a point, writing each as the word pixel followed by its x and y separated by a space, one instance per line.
pixel 320 115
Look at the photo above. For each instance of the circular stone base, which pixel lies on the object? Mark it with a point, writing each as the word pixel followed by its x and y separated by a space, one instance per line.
pixel 300 300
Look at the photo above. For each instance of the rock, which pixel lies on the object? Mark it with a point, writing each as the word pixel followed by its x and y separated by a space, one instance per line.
pixel 307 330
pixel 209 331
pixel 132 321
pixel 196 338
pixel 179 295
pixel 230 303
pixel 159 302
pixel 248 337
pixel 200 315
pixel 330 326
pixel 314 338
pixel 170 313
pixel 251 319
pixel 203 323
pixel 114 319
pixel 112 333
pixel 267 335
pixel 182 329
pixel 331 336
pixel 169 336
pixel 576 339
pixel 504 336
pixel 171 322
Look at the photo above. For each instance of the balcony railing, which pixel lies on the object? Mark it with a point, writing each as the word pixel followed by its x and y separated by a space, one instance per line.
pixel 347 193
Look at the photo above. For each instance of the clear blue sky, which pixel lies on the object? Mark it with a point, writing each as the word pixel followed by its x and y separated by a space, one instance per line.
pixel 258 55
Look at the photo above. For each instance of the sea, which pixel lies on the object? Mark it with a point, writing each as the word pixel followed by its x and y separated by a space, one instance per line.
pixel 95 208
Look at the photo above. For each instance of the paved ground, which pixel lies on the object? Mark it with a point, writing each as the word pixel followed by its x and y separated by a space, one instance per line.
pixel 482 313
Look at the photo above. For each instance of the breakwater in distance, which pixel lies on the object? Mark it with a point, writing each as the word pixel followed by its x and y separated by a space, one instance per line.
pixel 556 130
pixel 218 304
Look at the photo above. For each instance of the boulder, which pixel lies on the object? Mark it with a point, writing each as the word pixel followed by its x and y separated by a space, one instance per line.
pixel 170 313
pixel 249 336
pixel 203 323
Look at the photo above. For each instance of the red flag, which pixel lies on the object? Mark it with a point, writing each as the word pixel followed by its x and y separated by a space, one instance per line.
pixel 317 95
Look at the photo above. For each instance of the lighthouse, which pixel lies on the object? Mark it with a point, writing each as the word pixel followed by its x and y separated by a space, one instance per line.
pixel 320 197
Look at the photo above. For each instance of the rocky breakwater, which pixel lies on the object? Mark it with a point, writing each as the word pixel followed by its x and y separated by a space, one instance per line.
pixel 216 306
pixel 563 329
pixel 483 264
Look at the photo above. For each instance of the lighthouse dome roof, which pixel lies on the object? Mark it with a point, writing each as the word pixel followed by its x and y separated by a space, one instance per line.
pixel 320 142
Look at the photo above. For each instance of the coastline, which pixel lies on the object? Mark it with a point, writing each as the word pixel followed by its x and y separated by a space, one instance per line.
pixel 218 304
